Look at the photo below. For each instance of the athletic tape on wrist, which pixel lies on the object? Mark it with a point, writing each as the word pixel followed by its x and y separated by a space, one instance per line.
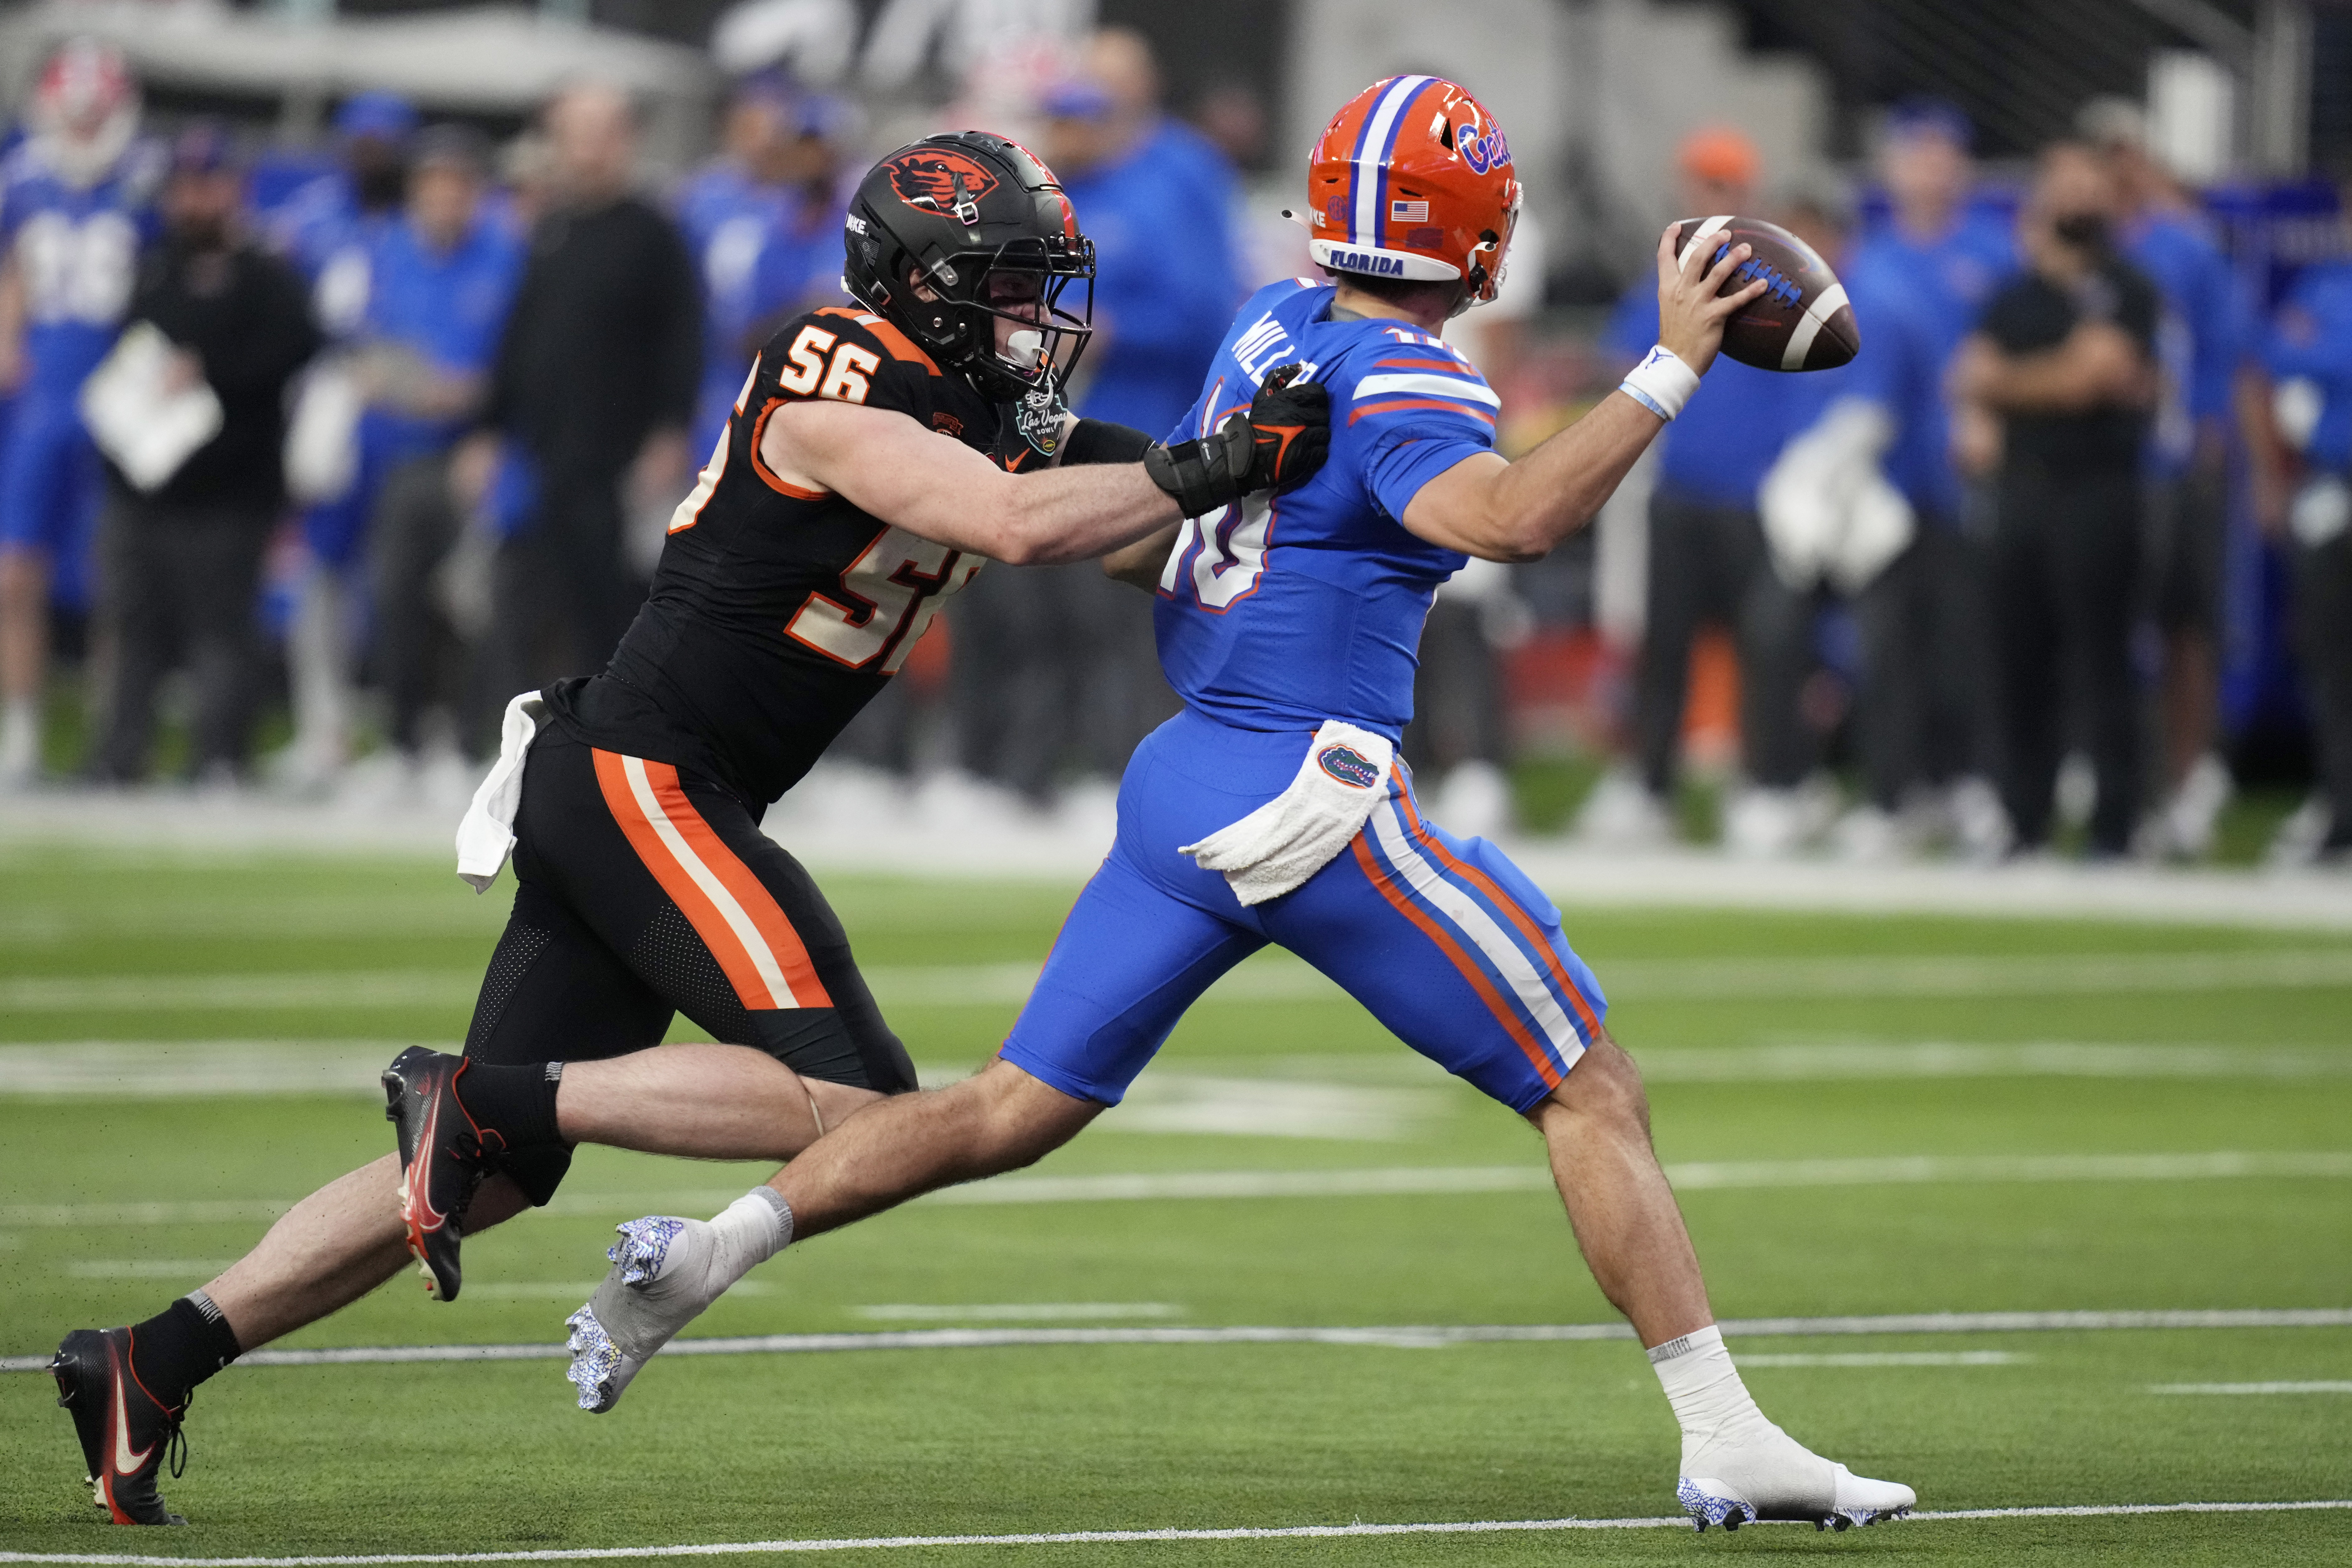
pixel 1662 383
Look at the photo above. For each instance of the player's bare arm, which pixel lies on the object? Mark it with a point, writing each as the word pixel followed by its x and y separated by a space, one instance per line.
pixel 1502 511
pixel 940 489
pixel 884 463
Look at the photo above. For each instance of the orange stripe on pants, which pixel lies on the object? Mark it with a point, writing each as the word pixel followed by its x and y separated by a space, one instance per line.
pixel 769 927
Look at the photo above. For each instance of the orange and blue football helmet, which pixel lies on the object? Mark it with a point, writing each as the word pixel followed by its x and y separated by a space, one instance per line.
pixel 1414 180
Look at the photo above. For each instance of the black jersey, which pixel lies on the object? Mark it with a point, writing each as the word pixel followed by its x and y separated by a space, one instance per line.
pixel 777 611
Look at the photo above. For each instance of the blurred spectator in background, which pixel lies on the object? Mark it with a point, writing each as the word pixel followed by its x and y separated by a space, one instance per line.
pixel 820 173
pixel 2308 426
pixel 1157 198
pixel 1055 665
pixel 75 211
pixel 1837 525
pixel 183 561
pixel 1924 622
pixel 330 227
pixel 2063 360
pixel 593 392
pixel 444 276
pixel 1707 564
pixel 2202 341
pixel 733 213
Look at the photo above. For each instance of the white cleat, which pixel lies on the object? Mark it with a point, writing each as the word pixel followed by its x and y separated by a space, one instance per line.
pixel 1777 1478
pixel 665 1272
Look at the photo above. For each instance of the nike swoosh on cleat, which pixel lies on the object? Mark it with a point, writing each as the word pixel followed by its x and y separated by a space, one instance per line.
pixel 421 1193
pixel 125 1461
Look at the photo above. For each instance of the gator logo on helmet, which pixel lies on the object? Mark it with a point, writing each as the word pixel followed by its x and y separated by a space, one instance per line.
pixel 1349 765
pixel 939 180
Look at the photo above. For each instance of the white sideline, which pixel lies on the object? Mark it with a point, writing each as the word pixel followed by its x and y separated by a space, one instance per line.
pixel 1408 1337
pixel 1108 1537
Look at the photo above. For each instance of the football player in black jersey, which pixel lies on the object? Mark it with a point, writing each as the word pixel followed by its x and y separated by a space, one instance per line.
pixel 878 454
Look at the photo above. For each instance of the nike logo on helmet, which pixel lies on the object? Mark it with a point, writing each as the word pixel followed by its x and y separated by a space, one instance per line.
pixel 125 1461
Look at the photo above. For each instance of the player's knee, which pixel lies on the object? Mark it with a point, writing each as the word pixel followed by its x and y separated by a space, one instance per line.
pixel 1019 1120
pixel 1605 1084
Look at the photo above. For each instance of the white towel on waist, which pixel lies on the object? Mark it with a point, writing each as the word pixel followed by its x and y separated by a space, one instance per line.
pixel 486 832
pixel 1297 832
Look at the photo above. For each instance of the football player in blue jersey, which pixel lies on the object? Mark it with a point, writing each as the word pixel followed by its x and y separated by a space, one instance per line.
pixel 1841 508
pixel 1706 563
pixel 1271 810
pixel 77 205
pixel 1946 257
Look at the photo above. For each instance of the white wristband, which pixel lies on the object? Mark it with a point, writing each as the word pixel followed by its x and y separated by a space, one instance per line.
pixel 1661 383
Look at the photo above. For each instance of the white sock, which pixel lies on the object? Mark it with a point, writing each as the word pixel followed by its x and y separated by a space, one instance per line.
pixel 1704 1389
pixel 751 1230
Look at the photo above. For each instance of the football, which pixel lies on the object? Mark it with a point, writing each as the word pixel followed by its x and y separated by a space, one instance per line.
pixel 1801 321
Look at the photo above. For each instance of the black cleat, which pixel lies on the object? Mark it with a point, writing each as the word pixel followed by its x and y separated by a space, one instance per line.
pixel 126 1433
pixel 442 1159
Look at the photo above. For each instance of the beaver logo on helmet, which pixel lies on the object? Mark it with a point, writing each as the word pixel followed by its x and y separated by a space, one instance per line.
pixel 940 181
pixel 966 243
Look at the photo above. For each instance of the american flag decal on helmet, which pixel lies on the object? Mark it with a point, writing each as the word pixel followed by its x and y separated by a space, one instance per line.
pixel 1408 212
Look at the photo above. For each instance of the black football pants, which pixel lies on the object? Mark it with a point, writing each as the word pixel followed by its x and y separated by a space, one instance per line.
pixel 643 890
pixel 2064 587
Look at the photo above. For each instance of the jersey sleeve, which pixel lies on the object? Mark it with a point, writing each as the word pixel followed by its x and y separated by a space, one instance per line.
pixel 1425 409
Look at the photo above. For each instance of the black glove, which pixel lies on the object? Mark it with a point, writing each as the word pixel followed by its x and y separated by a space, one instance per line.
pixel 1278 446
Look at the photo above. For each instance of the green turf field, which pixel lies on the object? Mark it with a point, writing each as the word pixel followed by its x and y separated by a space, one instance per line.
pixel 1866 1116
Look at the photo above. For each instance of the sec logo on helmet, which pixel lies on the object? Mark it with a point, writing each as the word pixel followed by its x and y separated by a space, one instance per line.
pixel 939 179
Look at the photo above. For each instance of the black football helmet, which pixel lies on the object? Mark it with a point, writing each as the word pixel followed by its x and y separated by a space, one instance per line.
pixel 983 228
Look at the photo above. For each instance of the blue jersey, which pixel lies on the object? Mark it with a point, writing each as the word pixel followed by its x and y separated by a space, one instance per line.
pixel 1717 449
pixel 731 222
pixel 447 307
pixel 1901 370
pixel 1278 614
pixel 1162 221
pixel 2312 340
pixel 2202 335
pixel 324 232
pixel 1948 281
pixel 76 248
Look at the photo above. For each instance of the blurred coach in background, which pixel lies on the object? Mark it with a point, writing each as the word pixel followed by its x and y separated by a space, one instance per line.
pixel 2062 367
pixel 183 561
pixel 592 392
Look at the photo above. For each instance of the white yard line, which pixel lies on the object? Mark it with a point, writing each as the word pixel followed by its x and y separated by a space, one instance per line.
pixel 2324 1388
pixel 1407 1337
pixel 1105 1537
pixel 1389 1180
